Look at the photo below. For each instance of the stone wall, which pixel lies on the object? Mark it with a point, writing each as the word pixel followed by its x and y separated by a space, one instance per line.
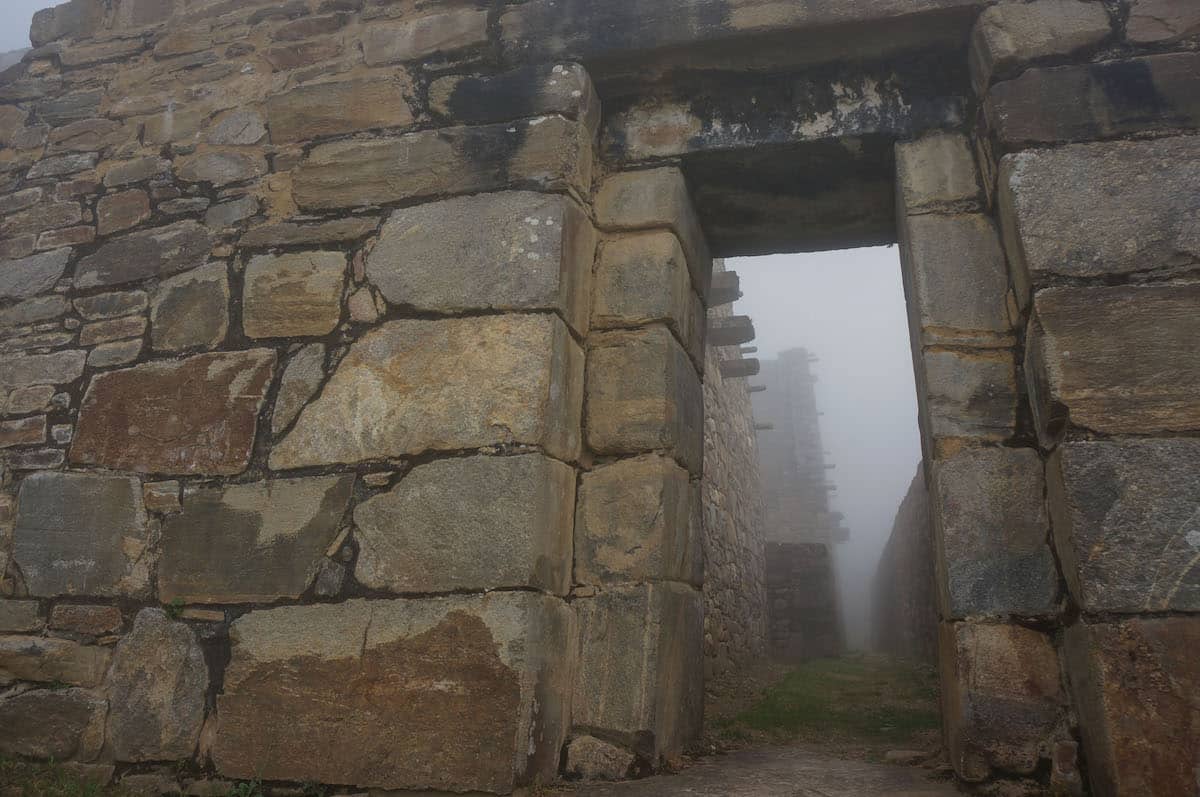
pixel 903 598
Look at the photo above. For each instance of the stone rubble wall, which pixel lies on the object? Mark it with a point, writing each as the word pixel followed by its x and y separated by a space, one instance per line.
pixel 903 600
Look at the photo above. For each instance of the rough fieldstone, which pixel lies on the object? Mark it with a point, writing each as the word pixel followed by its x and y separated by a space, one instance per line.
pixel 1127 523
pixel 136 170
pixel 1138 215
pixel 47 216
pixel 552 153
pixel 191 309
pixel 31 311
pixel 657 198
pixel 469 524
pixel 95 620
pixel 109 355
pixel 1161 21
pixel 1115 360
pixel 58 724
pixel 250 543
pixel 61 165
pixel 1010 35
pixel 157 252
pixel 1135 685
pixel 1002 699
pixel 330 109
pixel 20 617
pixel 443 33
pixel 82 534
pixel 536 90
pixel 29 276
pixel 324 232
pixel 29 399
pixel 301 378
pixel 639 679
pixel 111 305
pixel 75 19
pixel 511 379
pixel 227 214
pixel 643 394
pixel 23 431
pixel 958 279
pixel 992 533
pixel 936 171
pixel 293 295
pixel 1095 101
pixel 238 128
pixel 114 329
pixel 967 396
pixel 58 368
pixel 515 250
pixel 26 658
pixel 642 279
pixel 192 416
pixel 459 693
pixel 220 167
pixel 589 758
pixel 157 690
pixel 638 520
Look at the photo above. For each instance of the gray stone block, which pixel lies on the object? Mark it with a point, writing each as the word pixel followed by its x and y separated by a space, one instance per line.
pixel 1161 21
pixel 157 252
pixel 966 397
pixel 1011 35
pixel 191 309
pixel 937 171
pixel 48 660
pixel 29 276
pixel 296 294
pixel 59 724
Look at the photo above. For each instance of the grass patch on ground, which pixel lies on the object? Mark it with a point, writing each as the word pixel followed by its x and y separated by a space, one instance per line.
pixel 861 699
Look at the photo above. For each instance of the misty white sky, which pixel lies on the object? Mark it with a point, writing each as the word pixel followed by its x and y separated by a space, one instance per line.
pixel 847 307
pixel 15 16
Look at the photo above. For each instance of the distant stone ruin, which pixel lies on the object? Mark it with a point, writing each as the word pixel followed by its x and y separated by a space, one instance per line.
pixel 353 375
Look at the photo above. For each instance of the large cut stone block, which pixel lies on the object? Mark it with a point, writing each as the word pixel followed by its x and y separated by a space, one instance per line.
pixel 957 279
pixel 992 534
pixel 1135 685
pixel 1009 36
pixel 638 520
pixel 251 543
pixel 551 153
pixel 198 415
pixel 158 252
pixel 58 724
pixel 456 694
pixel 330 109
pixel 515 250
pixel 469 524
pixel 937 171
pixel 1115 360
pixel 1139 214
pixel 1161 21
pixel 157 686
pixel 1094 101
pixel 640 666
pixel 966 397
pixel 1002 698
pixel 643 394
pixel 26 370
pixel 425 36
pixel 414 386
pixel 24 658
pixel 293 295
pixel 1126 520
pixel 82 534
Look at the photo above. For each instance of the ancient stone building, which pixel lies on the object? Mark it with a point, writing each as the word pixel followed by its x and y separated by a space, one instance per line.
pixel 903 602
pixel 353 370
pixel 801 528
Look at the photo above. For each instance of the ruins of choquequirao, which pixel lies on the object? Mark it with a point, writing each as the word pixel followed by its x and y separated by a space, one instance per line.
pixel 373 416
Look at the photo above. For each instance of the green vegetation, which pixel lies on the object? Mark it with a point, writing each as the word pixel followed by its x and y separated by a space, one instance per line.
pixel 174 609
pixel 864 700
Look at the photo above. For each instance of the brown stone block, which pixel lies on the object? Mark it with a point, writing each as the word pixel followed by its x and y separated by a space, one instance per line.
pixel 1135 685
pixel 296 234
pixel 293 295
pixel 329 109
pixel 58 724
pixel 20 616
pixel 122 210
pixel 1115 360
pixel 424 37
pixel 191 309
pixel 966 398
pixel 1162 21
pixel 26 658
pixel 23 432
pixel 192 416
pixel 156 252
pixel 93 620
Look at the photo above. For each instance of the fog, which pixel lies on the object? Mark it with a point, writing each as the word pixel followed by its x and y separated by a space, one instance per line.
pixel 15 16
pixel 847 308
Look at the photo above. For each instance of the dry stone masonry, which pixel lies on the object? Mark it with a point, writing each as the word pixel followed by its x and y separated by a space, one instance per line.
pixel 353 378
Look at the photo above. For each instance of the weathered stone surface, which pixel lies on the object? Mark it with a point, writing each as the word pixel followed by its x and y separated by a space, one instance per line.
pixel 1125 523
pixel 469 524
pixel 637 521
pixel 1161 21
pixel 157 688
pixel 77 18
pixel 27 658
pixel 1002 700
pixel 296 234
pixel 589 758
pixel 93 620
pixel 515 250
pixel 162 497
pixel 330 109
pixel 114 329
pixel 29 399
pixel 227 214
pixel 454 693
pixel 643 394
pixel 413 386
pixel 550 152
pixel 191 309
pixel 47 216
pixel 657 198
pixel 192 416
pixel 220 167
pixel 111 305
pixel 250 543
pixel 641 649
pixel 1138 217
pixel 537 90
pixel 20 617
pixel 1135 685
pixel 58 368
pixel 81 534
pixel 293 295
pixel 109 355
pixel 157 252
pixel 957 278
pixel 1011 35
pixel 61 165
pixel 29 276
pixel 936 171
pixel 441 33
pixel 59 724
pixel 1095 101
pixel 23 431
pixel 136 170
pixel 1099 358
pixel 991 533
pixel 301 378
pixel 967 396
pixel 239 128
